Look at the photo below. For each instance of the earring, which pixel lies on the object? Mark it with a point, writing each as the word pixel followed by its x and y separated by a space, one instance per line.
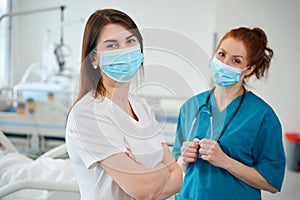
pixel 95 66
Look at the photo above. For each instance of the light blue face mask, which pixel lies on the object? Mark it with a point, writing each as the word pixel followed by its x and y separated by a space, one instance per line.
pixel 121 65
pixel 224 75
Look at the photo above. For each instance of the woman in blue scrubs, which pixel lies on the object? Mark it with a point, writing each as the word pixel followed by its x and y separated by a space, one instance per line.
pixel 228 140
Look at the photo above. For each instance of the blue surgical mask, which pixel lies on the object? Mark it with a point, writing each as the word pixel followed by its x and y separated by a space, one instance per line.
pixel 121 65
pixel 224 75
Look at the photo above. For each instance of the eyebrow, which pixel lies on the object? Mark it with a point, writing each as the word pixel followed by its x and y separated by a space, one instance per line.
pixel 110 40
pixel 130 36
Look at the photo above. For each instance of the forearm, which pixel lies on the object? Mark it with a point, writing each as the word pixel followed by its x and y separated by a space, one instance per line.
pixel 134 179
pixel 174 182
pixel 152 184
pixel 247 174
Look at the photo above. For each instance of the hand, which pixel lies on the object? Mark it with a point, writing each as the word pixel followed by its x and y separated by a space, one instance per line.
pixel 211 151
pixel 189 151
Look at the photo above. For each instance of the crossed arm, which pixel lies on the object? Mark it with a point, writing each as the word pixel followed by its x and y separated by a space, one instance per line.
pixel 160 182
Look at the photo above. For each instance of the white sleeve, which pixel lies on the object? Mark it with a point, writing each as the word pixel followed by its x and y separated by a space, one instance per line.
pixel 94 136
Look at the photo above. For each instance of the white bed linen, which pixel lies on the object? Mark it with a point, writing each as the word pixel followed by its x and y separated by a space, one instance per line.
pixel 16 167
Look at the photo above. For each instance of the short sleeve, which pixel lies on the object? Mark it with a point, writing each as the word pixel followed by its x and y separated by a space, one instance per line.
pixel 269 156
pixel 93 136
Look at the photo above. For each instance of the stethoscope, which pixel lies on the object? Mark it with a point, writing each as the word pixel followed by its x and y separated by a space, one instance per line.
pixel 210 113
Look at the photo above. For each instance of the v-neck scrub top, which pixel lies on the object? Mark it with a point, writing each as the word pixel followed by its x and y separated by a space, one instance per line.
pixel 254 137
pixel 97 129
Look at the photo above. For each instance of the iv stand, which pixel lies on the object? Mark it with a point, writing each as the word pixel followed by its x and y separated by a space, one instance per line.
pixel 58 49
pixel 18 13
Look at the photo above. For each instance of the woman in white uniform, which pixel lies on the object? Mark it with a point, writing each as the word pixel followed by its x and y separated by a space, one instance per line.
pixel 113 139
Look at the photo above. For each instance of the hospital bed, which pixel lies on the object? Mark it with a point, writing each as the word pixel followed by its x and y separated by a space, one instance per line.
pixel 34 112
pixel 47 177
pixel 42 128
pixel 165 109
pixel 46 120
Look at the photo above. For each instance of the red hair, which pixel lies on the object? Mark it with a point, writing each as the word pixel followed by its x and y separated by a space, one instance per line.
pixel 255 42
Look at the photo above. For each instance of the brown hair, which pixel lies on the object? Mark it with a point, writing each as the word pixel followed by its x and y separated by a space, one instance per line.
pixel 258 54
pixel 90 79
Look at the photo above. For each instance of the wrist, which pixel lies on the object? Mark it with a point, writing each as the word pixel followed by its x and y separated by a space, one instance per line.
pixel 227 163
pixel 182 161
pixel 182 164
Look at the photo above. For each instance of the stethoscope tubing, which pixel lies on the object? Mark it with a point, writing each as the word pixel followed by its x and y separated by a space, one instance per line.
pixel 196 117
pixel 211 116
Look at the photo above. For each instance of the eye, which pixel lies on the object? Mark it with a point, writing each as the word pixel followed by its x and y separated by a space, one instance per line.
pixel 238 61
pixel 112 46
pixel 132 41
pixel 221 54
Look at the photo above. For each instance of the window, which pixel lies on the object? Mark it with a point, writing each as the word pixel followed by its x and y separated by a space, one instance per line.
pixel 4 44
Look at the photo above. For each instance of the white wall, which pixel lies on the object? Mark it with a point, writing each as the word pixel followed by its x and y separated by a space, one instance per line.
pixel 192 22
pixel 155 18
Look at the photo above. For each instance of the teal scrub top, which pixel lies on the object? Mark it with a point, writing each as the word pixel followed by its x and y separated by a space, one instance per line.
pixel 254 137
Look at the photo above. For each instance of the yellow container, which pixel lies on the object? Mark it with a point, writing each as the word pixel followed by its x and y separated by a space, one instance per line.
pixel 51 97
pixel 30 105
pixel 21 108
